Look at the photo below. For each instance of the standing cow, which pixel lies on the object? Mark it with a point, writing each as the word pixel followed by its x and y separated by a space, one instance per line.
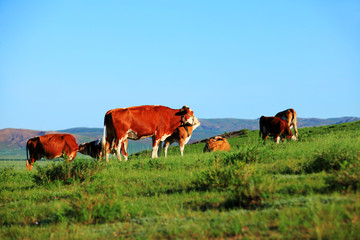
pixel 289 115
pixel 216 144
pixel 155 121
pixel 50 146
pixel 181 136
pixel 275 127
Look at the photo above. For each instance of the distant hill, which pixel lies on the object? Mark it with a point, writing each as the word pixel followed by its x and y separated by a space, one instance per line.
pixel 12 141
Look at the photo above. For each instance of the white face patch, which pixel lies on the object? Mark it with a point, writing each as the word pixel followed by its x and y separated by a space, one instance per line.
pixel 196 124
pixel 98 142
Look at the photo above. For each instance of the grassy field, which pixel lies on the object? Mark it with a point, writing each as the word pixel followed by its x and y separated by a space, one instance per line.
pixel 306 189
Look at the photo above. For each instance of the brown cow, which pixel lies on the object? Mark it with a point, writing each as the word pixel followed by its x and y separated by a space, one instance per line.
pixel 289 115
pixel 50 146
pixel 275 127
pixel 140 122
pixel 181 136
pixel 216 144
pixel 94 148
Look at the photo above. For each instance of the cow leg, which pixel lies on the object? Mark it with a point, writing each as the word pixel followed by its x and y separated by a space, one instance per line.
pixel 295 129
pixel 182 146
pixel 155 147
pixel 264 137
pixel 166 146
pixel 277 138
pixel 107 156
pixel 29 164
pixel 124 150
pixel 182 149
pixel 111 149
pixel 118 148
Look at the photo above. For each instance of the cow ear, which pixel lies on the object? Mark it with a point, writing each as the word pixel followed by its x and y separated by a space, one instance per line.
pixel 182 111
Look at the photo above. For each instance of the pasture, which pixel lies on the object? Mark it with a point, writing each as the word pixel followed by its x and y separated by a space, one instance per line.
pixel 307 189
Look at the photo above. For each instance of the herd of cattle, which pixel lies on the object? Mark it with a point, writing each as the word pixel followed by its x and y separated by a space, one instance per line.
pixel 161 123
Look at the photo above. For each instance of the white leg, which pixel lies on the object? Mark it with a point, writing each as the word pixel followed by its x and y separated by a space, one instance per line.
pixel 125 148
pixel 278 139
pixel 118 155
pixel 155 149
pixel 166 145
pixel 182 149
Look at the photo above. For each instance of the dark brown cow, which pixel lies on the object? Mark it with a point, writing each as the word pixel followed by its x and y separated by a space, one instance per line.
pixel 216 144
pixel 94 148
pixel 275 127
pixel 50 146
pixel 140 122
pixel 181 136
pixel 289 115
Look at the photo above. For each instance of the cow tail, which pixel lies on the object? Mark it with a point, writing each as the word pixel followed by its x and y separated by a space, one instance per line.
pixel 27 151
pixel 260 127
pixel 103 143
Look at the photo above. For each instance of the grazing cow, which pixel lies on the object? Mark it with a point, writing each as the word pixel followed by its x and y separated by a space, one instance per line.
pixel 289 115
pixel 155 121
pixel 181 136
pixel 275 127
pixel 216 144
pixel 50 146
pixel 94 148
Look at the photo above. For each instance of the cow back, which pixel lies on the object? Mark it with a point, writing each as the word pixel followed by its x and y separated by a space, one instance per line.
pixel 54 145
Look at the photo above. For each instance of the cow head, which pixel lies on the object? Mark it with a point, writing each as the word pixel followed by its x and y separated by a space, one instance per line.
pixel 289 134
pixel 83 148
pixel 187 116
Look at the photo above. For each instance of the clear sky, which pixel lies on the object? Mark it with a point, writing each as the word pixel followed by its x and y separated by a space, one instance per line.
pixel 63 64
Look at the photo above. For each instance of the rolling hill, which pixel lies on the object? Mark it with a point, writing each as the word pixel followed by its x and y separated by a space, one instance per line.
pixel 12 141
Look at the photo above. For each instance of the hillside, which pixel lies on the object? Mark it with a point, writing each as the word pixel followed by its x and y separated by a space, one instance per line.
pixel 12 141
pixel 305 189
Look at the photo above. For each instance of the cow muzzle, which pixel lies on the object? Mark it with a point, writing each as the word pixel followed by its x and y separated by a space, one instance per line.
pixel 193 121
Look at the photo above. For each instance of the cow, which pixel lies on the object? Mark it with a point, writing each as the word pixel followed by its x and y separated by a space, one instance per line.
pixel 139 122
pixel 50 146
pixel 94 148
pixel 216 144
pixel 276 127
pixel 181 136
pixel 289 115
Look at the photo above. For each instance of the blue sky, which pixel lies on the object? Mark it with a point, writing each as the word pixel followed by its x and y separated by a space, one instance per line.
pixel 63 64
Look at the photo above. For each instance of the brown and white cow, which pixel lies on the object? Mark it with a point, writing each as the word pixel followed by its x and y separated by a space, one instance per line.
pixel 94 148
pixel 155 121
pixel 181 136
pixel 289 115
pixel 216 144
pixel 275 127
pixel 50 146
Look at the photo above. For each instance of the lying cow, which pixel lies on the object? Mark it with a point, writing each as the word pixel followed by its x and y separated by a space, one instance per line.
pixel 140 122
pixel 275 127
pixel 94 148
pixel 216 144
pixel 289 115
pixel 181 136
pixel 50 146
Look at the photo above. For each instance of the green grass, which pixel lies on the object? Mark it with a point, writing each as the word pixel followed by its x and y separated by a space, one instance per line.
pixel 303 189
